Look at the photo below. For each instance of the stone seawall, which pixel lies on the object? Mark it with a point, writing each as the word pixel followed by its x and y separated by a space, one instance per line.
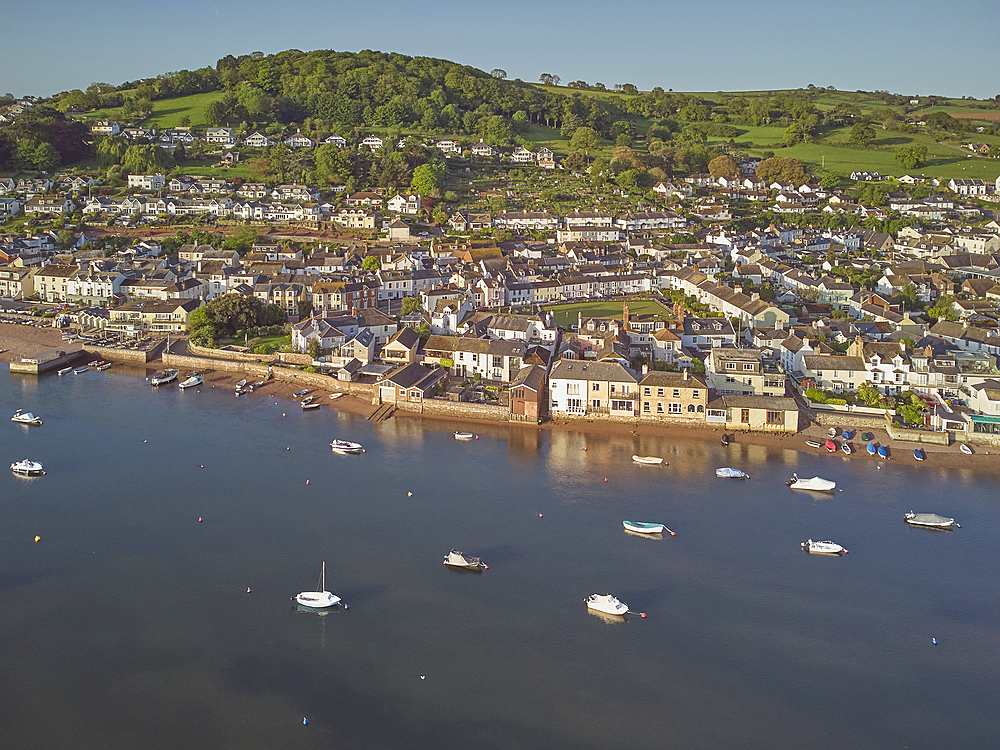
pixel 131 356
pixel 457 409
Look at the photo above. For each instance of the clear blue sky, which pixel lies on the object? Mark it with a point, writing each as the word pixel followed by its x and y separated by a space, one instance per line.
pixel 916 47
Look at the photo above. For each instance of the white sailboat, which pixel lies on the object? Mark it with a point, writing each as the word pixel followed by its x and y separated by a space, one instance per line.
pixel 318 599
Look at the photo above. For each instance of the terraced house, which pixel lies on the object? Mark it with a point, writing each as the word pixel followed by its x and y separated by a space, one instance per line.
pixel 579 388
pixel 673 396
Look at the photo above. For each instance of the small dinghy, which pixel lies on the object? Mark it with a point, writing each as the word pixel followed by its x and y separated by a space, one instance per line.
pixel 725 439
pixel 345 446
pixel 65 371
pixel 463 435
pixel 872 450
pixel 728 473
pixel 652 460
pixel 831 446
pixel 930 520
pixel 80 370
pixel 883 453
pixel 104 366
pixel 335 396
pixel 823 548
pixel 307 400
pixel 846 448
pixel 640 527
pixel 832 432
pixel 847 434
pixel 814 443
pixel 27 468
pixel 163 377
pixel 254 386
pixel 457 559
pixel 918 454
pixel 240 384
pixel 25 418
pixel 300 394
pixel 317 599
pixel 868 436
pixel 966 449
pixel 310 406
pixel 607 604
pixel 816 484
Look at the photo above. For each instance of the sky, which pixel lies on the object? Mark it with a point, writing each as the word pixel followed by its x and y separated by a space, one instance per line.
pixel 917 48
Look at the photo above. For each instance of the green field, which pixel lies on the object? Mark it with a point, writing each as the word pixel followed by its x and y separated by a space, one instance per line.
pixel 566 315
pixel 167 113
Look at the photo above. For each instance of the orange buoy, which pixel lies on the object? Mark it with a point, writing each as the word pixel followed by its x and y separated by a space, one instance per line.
pixel 37 539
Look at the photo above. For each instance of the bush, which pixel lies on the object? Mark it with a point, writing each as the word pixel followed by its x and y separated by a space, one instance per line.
pixel 816 396
pixel 836 401
pixel 309 368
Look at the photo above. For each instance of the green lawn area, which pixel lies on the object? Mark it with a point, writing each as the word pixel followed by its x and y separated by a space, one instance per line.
pixel 205 168
pixel 566 315
pixel 167 113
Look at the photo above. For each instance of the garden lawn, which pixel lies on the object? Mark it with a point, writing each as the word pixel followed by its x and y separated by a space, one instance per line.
pixel 566 315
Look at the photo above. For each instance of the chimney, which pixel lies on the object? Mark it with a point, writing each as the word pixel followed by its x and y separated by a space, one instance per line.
pixel 686 374
pixel 645 370
pixel 354 311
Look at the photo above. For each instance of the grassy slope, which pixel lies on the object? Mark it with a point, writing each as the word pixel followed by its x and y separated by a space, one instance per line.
pixel 566 315
pixel 167 113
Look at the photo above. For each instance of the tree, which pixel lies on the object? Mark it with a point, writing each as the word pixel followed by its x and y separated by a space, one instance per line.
pixel 782 170
pixel 585 139
pixel 943 309
pixel 869 394
pixel 862 135
pixel 427 178
pixel 410 305
pixel 46 157
pixel 304 308
pixel 498 73
pixel 215 113
pixel 830 180
pixel 273 315
pixel 723 166
pixel 314 348
pixel 371 263
pixel 912 157
pixel 234 311
pixel 549 79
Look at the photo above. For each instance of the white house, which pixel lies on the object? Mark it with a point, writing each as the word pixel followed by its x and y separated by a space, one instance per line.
pixel 404 204
pixel 149 182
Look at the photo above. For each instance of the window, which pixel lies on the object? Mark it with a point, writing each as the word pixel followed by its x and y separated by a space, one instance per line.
pixel 573 389
pixel 675 408
pixel 646 391
pixel 775 417
pixel 745 416
pixel 748 365
pixel 659 407
pixel 659 392
pixel 597 387
pixel 645 406
pixel 696 393
pixel 621 406
pixel 730 365
pixel 730 379
pixel 596 403
pixel 612 387
pixel 677 392
pixel 691 408
pixel 701 409
pixel 573 403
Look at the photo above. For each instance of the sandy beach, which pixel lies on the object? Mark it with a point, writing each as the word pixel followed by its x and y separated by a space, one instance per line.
pixel 19 341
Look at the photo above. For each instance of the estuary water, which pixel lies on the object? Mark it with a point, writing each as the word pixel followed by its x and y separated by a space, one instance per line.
pixel 128 625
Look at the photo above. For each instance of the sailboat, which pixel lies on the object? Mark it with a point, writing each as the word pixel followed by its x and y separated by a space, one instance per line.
pixel 318 599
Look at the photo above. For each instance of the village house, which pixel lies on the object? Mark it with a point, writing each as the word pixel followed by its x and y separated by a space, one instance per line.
pixel 677 396
pixel 753 413
pixel 528 396
pixel 409 384
pixel 579 388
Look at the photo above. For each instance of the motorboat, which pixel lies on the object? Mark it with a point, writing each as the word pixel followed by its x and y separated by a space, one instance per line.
pixel 463 435
pixel 816 484
pixel 823 548
pixel 317 599
pixel 652 460
pixel 930 520
pixel 872 450
pixel 966 449
pixel 307 400
pixel 193 380
pixel 241 383
pixel 640 527
pixel 832 432
pixel 25 418
pixel 814 443
pixel 164 376
pixel 300 394
pixel 846 448
pixel 729 473
pixel 79 370
pixel 345 446
pixel 883 452
pixel 310 405
pixel 846 435
pixel 607 604
pixel 918 454
pixel 831 446
pixel 65 371
pixel 457 559
pixel 27 468
pixel 96 363
pixel 103 366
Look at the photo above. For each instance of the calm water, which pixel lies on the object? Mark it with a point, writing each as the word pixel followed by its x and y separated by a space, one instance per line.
pixel 128 625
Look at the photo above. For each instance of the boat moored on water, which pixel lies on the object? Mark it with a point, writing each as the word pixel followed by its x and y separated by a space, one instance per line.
pixel 194 379
pixel 317 599
pixel 80 370
pixel 463 435
pixel 823 548
pixel 310 405
pixel 607 604
pixel 729 473
pixel 307 400
pixel 918 454
pixel 65 371
pixel 816 484
pixel 164 376
pixel 25 418
pixel 104 365
pixel 725 439
pixel 457 559
pixel 27 468
pixel 966 449
pixel 930 520
pixel 651 460
pixel 641 527
pixel 345 446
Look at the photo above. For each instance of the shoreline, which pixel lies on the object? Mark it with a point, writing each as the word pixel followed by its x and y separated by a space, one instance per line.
pixel 19 341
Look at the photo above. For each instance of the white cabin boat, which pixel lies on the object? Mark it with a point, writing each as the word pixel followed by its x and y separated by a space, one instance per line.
pixel 816 484
pixel 317 599
pixel 345 446
pixel 729 473
pixel 607 604
pixel 25 418
pixel 27 468
pixel 193 380
pixel 464 435
pixel 823 548
pixel 457 559
pixel 653 460
pixel 930 520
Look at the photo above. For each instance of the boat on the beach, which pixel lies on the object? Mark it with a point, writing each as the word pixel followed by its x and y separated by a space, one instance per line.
pixel 457 559
pixel 310 406
pixel 193 379
pixel 725 439
pixel 872 450
pixel 639 527
pixel 816 484
pixel 814 443
pixel 307 400
pixel 25 418
pixel 918 454
pixel 846 434
pixel 104 365
pixel 65 371
pixel 846 448
pixel 164 376
pixel 930 520
pixel 883 452
pixel 729 473
pixel 335 396
pixel 966 449
pixel 823 548
pixel 27 468
pixel 241 383
pixel 78 370
pixel 317 599
pixel 832 432
pixel 345 446
pixel 607 604
pixel 253 386
pixel 652 460
pixel 300 394
pixel 868 436
pixel 459 435
pixel 831 446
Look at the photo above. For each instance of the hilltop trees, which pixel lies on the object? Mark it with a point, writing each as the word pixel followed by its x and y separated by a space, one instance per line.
pixel 782 170
pixel 723 166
